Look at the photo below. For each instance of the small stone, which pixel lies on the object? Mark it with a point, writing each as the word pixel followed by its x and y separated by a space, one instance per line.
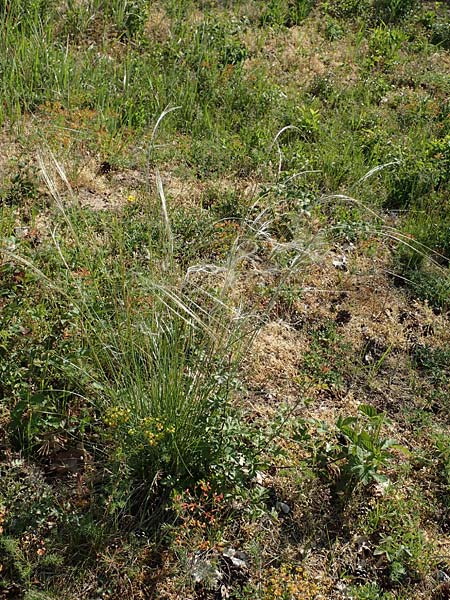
pixel 283 507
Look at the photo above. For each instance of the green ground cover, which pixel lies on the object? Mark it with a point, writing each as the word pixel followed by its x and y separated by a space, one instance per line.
pixel 224 299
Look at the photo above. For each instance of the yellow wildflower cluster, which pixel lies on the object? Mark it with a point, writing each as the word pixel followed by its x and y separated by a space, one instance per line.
pixel 153 437
pixel 289 583
pixel 152 422
pixel 117 416
pixel 153 430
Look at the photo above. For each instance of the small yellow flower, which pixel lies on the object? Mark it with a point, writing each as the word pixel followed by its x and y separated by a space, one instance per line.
pixel 131 198
pixel 117 416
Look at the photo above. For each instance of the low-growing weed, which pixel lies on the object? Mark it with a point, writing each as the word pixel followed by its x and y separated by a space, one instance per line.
pixel 384 44
pixel 370 591
pixel 439 32
pixel 29 511
pixel 421 171
pixel 401 551
pixel 347 8
pixel 378 11
pixel 226 204
pixel 333 29
pixel 23 187
pixel 288 581
pixel 16 572
pixel 433 382
pixel 193 231
pixel 391 11
pixel 354 452
pixel 423 260
pixel 323 363
pixel 442 452
pixel 434 361
pixel 431 286
pixel 308 121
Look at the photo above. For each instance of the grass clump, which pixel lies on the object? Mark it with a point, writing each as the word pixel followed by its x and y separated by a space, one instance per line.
pixel 165 406
pixel 286 13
